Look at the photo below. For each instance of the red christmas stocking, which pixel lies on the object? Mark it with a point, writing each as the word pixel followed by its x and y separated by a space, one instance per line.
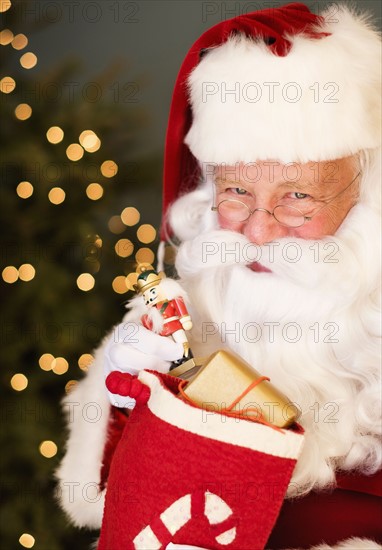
pixel 185 475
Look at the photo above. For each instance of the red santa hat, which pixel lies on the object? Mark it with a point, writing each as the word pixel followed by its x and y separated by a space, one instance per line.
pixel 281 83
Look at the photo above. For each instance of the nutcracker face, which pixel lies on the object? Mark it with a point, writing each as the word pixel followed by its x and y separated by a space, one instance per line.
pixel 153 295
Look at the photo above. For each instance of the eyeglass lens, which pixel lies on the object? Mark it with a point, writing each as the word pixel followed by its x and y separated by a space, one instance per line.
pixel 237 211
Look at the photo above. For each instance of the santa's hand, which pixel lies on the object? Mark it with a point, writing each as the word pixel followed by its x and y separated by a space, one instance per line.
pixel 131 348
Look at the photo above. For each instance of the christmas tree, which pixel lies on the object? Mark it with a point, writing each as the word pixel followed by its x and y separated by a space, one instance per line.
pixel 77 205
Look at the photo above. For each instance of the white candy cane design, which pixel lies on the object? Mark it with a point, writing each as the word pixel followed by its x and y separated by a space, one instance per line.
pixel 178 514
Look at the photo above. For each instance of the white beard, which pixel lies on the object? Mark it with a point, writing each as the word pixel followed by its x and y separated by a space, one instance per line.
pixel 321 348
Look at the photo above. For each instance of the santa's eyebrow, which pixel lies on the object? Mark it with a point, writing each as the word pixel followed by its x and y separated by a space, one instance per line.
pixel 305 185
pixel 224 181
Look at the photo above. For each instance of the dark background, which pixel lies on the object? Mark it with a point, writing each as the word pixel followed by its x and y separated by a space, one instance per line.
pixel 107 66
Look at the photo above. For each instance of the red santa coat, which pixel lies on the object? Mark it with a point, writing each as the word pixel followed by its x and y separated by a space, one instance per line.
pixel 352 509
pixel 172 311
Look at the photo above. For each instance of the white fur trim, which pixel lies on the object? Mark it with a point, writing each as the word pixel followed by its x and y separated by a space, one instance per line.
pixel 87 409
pixel 250 435
pixel 335 80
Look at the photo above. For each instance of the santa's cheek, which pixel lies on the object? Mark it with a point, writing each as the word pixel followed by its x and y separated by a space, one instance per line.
pixel 232 226
pixel 316 228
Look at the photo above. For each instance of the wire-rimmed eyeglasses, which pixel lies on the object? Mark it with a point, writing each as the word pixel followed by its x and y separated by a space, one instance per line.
pixel 235 210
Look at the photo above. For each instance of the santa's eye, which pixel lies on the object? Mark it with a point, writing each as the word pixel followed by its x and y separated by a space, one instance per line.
pixel 298 195
pixel 238 190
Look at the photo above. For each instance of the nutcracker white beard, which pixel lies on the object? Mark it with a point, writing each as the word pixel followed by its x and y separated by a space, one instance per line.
pixel 311 325
pixel 156 319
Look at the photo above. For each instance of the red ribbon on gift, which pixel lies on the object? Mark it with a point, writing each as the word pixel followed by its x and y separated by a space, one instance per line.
pixel 239 413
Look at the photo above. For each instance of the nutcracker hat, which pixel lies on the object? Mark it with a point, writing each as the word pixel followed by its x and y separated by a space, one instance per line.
pixel 147 279
pixel 280 83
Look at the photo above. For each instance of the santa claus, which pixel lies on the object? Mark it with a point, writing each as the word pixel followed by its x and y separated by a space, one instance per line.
pixel 272 197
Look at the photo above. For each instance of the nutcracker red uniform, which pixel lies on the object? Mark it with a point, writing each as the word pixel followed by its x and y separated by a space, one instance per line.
pixel 275 108
pixel 173 312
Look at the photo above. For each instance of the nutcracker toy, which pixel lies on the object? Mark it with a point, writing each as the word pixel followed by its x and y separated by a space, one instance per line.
pixel 167 317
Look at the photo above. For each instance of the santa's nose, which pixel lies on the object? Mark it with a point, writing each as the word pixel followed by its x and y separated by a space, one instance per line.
pixel 261 227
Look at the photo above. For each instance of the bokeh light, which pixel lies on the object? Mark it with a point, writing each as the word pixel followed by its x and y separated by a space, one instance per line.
pixel 10 274
pixel 130 216
pixel 124 248
pixel 48 448
pixel 116 225
pixel 60 365
pixel 94 191
pixel 145 255
pixel 146 233
pixel 85 282
pixel 69 386
pixel 19 42
pixel 19 382
pixel 95 147
pixel 56 195
pixel 6 37
pixel 27 272
pixel 5 5
pixel 119 284
pixel 55 134
pixel 28 60
pixel 109 168
pixel 7 85
pixel 85 360
pixel 24 189
pixel 27 540
pixel 74 152
pixel 90 141
pixel 23 111
pixel 46 361
pixel 131 280
pixel 87 137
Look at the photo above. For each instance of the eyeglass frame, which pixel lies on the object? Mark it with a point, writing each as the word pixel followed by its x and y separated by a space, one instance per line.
pixel 305 218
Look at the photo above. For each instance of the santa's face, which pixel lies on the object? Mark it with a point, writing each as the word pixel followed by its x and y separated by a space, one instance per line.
pixel 319 190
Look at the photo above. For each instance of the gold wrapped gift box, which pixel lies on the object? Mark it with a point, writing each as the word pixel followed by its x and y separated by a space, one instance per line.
pixel 216 382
